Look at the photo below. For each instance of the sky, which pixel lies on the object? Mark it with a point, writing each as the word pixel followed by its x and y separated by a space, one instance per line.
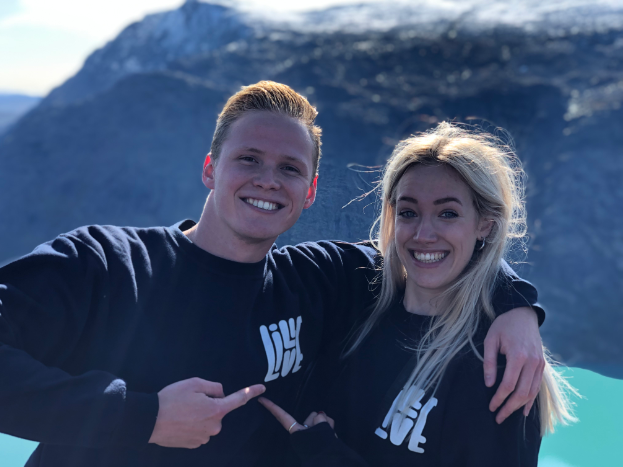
pixel 44 42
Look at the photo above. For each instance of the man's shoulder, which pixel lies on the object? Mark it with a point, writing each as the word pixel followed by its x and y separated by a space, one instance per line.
pixel 329 250
pixel 100 242
pixel 119 236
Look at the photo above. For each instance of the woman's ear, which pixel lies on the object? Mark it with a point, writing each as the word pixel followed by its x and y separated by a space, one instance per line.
pixel 484 227
pixel 207 176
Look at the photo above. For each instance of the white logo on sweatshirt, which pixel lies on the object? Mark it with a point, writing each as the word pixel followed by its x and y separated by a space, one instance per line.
pixel 413 420
pixel 283 350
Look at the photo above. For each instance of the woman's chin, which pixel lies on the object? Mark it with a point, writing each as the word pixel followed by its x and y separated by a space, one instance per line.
pixel 430 283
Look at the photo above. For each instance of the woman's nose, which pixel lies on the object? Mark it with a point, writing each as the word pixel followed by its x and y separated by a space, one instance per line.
pixel 425 231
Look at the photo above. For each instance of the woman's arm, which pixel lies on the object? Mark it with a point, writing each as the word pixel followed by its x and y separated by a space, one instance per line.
pixel 315 441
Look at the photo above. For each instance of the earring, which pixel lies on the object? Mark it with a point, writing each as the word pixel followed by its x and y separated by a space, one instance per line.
pixel 482 245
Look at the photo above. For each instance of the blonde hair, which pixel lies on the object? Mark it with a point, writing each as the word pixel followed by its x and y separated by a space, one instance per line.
pixel 496 179
pixel 271 97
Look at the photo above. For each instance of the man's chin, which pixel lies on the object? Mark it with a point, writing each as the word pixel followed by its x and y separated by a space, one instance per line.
pixel 259 237
pixel 264 231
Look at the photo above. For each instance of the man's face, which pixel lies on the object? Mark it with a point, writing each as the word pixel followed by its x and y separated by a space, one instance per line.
pixel 263 177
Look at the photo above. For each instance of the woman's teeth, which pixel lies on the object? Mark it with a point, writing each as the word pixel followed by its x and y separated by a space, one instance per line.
pixel 262 204
pixel 429 257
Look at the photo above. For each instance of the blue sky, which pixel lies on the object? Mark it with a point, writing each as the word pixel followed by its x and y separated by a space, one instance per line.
pixel 44 42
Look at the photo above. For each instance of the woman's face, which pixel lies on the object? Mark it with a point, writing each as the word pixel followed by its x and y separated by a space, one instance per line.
pixel 437 226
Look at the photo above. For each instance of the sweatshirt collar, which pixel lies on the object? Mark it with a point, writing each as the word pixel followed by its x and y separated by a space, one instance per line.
pixel 211 261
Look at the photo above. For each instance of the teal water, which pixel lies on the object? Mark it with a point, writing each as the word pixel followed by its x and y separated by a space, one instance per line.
pixel 597 440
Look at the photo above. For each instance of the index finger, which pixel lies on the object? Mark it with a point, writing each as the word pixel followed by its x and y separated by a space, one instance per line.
pixel 239 398
pixel 287 421
pixel 492 347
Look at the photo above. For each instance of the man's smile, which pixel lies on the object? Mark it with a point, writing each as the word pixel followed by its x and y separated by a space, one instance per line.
pixel 261 204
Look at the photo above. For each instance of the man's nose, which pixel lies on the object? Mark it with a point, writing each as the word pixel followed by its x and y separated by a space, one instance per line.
pixel 267 178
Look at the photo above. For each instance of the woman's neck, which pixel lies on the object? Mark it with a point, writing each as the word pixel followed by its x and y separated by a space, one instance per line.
pixel 421 301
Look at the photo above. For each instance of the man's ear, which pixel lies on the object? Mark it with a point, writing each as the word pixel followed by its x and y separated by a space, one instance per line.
pixel 311 193
pixel 207 175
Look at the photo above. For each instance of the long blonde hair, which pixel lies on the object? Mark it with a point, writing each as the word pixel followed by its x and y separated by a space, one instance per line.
pixel 494 174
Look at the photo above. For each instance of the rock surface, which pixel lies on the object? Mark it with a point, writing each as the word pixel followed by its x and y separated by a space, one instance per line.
pixel 123 141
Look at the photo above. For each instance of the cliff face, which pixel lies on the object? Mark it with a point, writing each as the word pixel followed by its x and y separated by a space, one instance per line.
pixel 123 141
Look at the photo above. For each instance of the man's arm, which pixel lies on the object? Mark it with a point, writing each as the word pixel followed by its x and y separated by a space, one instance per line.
pixel 50 302
pixel 46 299
pixel 515 334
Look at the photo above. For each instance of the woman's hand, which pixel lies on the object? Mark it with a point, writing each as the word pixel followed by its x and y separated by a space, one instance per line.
pixel 287 420
pixel 516 335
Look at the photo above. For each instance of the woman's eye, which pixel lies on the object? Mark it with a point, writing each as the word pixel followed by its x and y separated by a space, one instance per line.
pixel 449 215
pixel 406 214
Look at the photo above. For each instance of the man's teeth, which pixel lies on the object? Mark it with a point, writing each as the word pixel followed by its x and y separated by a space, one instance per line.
pixel 262 204
pixel 429 257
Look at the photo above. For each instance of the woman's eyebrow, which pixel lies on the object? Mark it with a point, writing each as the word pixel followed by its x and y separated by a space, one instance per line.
pixel 445 200
pixel 448 199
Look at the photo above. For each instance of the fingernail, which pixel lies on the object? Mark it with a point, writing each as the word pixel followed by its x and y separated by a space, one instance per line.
pixel 488 380
pixel 321 412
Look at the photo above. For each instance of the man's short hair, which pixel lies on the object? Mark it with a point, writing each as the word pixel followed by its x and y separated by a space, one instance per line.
pixel 272 97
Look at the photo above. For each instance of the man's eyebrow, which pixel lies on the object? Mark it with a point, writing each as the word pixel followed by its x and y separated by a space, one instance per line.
pixel 256 151
pixel 449 199
pixel 259 151
pixel 292 158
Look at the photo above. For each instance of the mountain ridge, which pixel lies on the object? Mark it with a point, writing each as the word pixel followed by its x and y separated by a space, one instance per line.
pixel 128 148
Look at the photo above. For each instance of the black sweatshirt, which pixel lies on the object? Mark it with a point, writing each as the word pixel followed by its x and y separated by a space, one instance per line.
pixel 450 427
pixel 94 323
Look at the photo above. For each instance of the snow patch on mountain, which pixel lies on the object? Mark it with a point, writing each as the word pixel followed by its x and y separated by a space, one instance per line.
pixel 433 16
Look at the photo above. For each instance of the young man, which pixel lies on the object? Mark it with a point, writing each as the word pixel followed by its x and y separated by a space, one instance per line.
pixel 119 344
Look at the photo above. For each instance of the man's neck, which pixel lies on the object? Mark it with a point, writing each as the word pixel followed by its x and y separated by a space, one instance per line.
pixel 206 235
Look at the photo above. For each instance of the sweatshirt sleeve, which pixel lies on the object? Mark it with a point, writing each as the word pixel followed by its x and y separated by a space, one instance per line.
pixel 343 274
pixel 511 291
pixel 46 301
pixel 319 447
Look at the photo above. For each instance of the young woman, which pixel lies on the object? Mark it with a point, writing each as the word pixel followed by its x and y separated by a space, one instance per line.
pixel 409 390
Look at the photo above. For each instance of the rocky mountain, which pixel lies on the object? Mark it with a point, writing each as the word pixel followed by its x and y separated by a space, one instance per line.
pixel 123 141
pixel 13 106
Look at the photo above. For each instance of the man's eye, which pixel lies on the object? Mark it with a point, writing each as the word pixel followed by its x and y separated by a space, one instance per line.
pixel 291 168
pixel 247 158
pixel 449 214
pixel 406 214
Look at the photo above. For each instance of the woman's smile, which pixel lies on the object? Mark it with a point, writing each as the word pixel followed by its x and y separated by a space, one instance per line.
pixel 429 258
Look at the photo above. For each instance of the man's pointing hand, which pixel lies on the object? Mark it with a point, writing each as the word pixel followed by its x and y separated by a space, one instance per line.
pixel 191 411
